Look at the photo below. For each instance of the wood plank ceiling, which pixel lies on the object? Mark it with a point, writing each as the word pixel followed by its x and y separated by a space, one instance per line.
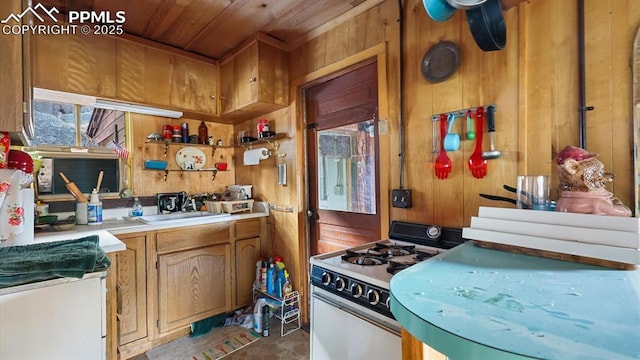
pixel 212 28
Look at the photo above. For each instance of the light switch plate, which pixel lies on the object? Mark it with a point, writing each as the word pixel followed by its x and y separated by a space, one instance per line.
pixel 401 198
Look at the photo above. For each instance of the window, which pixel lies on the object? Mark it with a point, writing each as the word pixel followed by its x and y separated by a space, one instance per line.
pixel 74 125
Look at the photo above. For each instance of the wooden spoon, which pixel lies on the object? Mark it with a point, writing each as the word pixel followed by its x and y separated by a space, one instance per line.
pixel 100 175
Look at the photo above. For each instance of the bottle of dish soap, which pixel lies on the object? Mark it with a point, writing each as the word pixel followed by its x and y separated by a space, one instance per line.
pixel 94 209
pixel 136 210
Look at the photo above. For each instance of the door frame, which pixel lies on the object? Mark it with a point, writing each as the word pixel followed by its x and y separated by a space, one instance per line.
pixel 377 53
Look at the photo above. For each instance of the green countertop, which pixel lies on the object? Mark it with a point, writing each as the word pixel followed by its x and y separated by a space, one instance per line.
pixel 477 303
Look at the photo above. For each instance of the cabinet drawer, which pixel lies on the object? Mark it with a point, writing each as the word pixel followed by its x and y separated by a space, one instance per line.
pixel 192 237
pixel 247 228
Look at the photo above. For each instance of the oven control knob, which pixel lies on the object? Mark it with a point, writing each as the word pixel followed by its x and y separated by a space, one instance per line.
pixel 326 278
pixel 388 302
pixel 340 284
pixel 356 290
pixel 373 296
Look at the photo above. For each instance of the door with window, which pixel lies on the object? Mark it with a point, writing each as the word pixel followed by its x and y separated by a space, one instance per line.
pixel 342 151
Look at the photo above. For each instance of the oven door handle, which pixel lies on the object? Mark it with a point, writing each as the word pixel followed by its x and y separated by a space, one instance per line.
pixel 358 315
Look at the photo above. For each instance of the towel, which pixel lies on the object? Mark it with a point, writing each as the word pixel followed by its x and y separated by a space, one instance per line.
pixel 12 206
pixel 253 157
pixel 44 261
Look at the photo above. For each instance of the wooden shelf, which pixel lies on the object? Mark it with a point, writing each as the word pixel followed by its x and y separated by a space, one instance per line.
pixel 270 140
pixel 167 144
pixel 167 171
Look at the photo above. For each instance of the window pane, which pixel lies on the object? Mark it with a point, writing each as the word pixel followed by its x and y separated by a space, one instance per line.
pixel 85 117
pixel 54 123
pixel 346 168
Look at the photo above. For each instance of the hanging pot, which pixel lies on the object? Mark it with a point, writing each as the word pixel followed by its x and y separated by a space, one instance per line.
pixel 465 4
pixel 487 26
pixel 438 10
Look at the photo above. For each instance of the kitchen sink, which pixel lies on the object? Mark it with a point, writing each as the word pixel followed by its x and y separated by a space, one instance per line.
pixel 160 218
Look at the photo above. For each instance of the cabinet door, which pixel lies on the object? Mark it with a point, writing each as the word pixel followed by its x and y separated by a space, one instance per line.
pixel 246 76
pixel 77 64
pixel 143 74
pixel 131 282
pixel 14 78
pixel 193 285
pixel 226 87
pixel 247 254
pixel 193 85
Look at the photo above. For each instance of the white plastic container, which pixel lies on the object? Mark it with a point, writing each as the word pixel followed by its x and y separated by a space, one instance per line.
pixel 257 315
pixel 94 209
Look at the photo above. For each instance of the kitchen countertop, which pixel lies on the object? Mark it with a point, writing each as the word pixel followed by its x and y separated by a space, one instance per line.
pixel 477 303
pixel 109 228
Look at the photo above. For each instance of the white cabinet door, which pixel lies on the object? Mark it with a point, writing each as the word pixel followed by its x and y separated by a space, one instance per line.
pixel 62 321
pixel 338 334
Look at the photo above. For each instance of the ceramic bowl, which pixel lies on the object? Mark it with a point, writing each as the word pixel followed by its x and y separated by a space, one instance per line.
pixel 438 10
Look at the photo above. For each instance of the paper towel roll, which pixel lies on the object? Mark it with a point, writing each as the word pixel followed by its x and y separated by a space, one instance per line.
pixel 253 157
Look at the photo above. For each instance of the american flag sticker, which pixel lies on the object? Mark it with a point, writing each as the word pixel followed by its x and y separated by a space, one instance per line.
pixel 121 151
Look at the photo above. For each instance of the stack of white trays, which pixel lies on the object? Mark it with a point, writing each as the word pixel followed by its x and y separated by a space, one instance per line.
pixel 610 238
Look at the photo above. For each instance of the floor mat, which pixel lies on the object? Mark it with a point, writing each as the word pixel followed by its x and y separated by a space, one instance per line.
pixel 217 344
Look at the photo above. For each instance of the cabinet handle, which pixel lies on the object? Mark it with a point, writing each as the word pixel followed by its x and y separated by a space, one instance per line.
pixel 252 80
pixel 212 97
pixel 223 98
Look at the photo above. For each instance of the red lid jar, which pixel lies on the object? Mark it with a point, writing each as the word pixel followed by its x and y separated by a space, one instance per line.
pixel 263 125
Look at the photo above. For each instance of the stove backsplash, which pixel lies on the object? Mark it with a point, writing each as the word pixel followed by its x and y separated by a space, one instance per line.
pixel 424 234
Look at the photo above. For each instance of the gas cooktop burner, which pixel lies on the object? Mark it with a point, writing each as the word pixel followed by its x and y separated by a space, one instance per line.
pixel 363 259
pixel 421 255
pixel 392 250
pixel 395 267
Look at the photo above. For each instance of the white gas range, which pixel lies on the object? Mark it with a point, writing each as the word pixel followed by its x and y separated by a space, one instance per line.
pixel 350 314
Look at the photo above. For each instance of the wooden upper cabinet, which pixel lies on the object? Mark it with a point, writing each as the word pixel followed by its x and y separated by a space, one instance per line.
pixel 153 76
pixel 226 87
pixel 254 80
pixel 81 64
pixel 15 80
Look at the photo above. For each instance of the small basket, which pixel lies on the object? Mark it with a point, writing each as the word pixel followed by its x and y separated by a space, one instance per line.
pixel 229 207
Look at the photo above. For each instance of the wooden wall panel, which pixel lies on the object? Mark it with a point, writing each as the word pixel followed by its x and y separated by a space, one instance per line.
pixel 149 183
pixel 533 82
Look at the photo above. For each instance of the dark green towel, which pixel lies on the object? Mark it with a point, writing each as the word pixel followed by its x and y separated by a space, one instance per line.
pixel 43 261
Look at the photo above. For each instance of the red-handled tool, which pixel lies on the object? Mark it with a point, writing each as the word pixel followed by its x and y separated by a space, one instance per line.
pixel 477 164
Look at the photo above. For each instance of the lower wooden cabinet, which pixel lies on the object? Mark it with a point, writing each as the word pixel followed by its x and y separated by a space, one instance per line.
pixel 168 279
pixel 131 291
pixel 193 285
pixel 247 254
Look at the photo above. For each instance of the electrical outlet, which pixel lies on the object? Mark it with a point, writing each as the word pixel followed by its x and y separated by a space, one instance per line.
pixel 401 198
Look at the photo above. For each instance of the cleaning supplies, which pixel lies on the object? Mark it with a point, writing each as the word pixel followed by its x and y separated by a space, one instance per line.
pixel 286 288
pixel 258 282
pixel 280 280
pixel 136 210
pixel 263 276
pixel 257 315
pixel 265 320
pixel 94 209
pixel 271 279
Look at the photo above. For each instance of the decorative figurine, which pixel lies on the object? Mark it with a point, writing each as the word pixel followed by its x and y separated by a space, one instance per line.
pixel 582 185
